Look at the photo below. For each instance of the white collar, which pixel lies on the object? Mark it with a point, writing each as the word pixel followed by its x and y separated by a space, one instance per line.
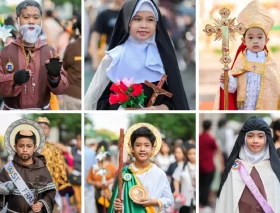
pixel 256 54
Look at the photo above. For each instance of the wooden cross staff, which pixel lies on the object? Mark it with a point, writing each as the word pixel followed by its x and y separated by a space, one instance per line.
pixel 36 185
pixel 120 164
pixel 157 90
pixel 224 29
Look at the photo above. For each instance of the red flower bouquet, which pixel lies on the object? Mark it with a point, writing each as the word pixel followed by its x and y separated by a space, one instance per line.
pixel 127 94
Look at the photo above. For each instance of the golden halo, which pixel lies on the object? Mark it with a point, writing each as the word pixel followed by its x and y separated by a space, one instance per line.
pixel 23 124
pixel 127 142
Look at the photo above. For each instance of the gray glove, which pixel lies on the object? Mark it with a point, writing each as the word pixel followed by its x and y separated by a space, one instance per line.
pixel 7 188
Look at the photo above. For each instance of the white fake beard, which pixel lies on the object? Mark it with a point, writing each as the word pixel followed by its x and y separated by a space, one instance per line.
pixel 30 36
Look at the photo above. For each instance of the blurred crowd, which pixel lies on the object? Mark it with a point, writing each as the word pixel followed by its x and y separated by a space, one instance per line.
pixel 176 157
pixel 64 35
pixel 215 145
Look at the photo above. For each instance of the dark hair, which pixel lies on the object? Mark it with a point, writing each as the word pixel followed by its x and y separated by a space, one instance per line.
pixel 184 150
pixel 189 147
pixel 78 25
pixel 222 122
pixel 252 27
pixel 49 13
pixel 104 144
pixel 207 125
pixel 275 126
pixel 27 3
pixel 19 136
pixel 142 132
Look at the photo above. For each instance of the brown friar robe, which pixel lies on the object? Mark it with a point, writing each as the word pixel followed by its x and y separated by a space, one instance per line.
pixel 34 96
pixel 247 202
pixel 72 64
pixel 46 189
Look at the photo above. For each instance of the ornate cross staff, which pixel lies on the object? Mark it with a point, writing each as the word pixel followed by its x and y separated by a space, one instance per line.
pixel 224 29
pixel 157 90
pixel 120 164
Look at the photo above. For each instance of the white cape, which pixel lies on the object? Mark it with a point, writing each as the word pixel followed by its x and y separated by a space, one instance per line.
pixel 98 84
pixel 234 186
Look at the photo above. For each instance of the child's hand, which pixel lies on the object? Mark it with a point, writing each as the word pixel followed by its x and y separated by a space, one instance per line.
pixel 175 194
pixel 37 207
pixel 147 202
pixel 222 78
pixel 118 204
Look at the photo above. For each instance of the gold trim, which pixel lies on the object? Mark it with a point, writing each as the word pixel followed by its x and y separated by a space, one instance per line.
pixel 136 197
pixel 159 205
pixel 140 171
pixel 11 64
pixel 77 58
pixel 64 186
pixel 258 106
pixel 127 142
pixel 259 26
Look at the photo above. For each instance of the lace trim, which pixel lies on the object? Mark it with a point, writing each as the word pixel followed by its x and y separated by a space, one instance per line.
pixel 50 186
pixel 46 206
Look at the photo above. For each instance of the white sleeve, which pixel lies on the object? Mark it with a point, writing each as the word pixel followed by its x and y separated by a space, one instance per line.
pixel 98 84
pixel 166 198
pixel 232 84
pixel 177 174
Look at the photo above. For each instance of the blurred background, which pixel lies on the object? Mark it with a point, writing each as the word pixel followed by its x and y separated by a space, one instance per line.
pixel 65 131
pixel 60 27
pixel 103 129
pixel 210 52
pixel 223 131
pixel 179 17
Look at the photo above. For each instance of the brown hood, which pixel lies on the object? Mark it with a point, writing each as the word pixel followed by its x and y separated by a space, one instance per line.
pixel 39 43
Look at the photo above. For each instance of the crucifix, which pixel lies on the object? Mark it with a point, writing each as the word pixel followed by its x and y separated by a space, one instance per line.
pixel 224 29
pixel 157 90
pixel 36 185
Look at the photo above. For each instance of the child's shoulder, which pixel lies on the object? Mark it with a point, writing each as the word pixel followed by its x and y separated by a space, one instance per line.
pixel 158 170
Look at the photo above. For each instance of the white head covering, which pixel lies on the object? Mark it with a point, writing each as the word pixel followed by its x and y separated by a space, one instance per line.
pixel 135 59
pixel 146 5
pixel 253 158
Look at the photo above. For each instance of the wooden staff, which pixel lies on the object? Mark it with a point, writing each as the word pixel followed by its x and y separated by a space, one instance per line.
pixel 120 164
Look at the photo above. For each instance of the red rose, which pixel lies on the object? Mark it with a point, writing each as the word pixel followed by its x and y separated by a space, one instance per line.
pixel 123 97
pixel 113 99
pixel 123 87
pixel 115 88
pixel 137 90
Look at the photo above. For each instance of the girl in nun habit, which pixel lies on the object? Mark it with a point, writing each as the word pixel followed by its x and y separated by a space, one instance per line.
pixel 251 180
pixel 140 48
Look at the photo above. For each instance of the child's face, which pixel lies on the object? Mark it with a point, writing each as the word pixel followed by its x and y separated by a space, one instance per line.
pixel 25 149
pixel 178 153
pixel 191 155
pixel 255 141
pixel 255 39
pixel 142 25
pixel 142 148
